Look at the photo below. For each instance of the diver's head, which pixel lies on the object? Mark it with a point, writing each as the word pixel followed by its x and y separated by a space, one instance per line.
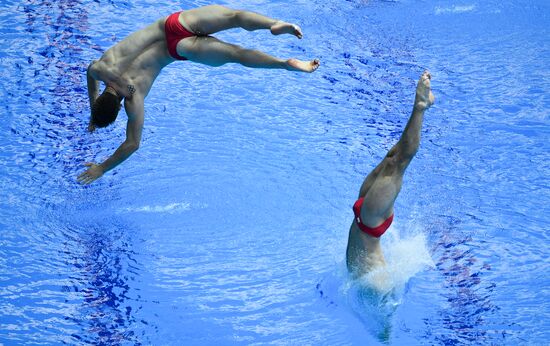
pixel 105 108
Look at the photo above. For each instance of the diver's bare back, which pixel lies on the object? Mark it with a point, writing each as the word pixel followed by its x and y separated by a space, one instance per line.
pixel 133 64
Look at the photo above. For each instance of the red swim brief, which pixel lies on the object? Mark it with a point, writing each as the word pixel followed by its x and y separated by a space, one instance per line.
pixel 376 231
pixel 175 32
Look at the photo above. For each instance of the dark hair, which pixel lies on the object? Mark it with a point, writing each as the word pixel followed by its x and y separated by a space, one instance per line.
pixel 105 109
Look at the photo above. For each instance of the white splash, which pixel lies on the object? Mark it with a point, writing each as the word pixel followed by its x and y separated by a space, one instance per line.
pixel 374 297
pixel 454 9
pixel 170 208
pixel 404 259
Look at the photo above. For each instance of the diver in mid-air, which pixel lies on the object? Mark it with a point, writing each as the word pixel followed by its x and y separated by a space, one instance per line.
pixel 374 208
pixel 129 68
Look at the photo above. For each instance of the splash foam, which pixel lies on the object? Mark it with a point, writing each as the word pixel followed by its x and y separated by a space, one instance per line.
pixel 404 259
pixel 170 208
pixel 454 9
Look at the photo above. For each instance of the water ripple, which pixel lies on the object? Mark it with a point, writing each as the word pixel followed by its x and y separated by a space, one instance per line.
pixel 229 225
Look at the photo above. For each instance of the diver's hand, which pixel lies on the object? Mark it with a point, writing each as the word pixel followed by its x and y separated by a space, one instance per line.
pixel 92 173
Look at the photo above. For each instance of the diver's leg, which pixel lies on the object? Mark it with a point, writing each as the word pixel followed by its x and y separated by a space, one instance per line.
pixel 381 187
pixel 211 19
pixel 384 183
pixel 410 139
pixel 211 51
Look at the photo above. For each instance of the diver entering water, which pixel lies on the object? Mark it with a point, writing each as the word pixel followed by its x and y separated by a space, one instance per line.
pixel 129 68
pixel 374 208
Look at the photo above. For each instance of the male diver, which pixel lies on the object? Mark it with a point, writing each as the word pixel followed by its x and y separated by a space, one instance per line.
pixel 129 68
pixel 374 209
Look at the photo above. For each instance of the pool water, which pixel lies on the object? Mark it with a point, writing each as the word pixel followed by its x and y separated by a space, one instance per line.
pixel 229 225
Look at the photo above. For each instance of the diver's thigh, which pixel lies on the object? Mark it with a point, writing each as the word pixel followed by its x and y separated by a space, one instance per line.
pixel 210 19
pixel 207 50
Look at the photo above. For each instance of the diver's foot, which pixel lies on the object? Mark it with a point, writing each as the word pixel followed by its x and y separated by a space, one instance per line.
pixel 424 97
pixel 281 27
pixel 302 66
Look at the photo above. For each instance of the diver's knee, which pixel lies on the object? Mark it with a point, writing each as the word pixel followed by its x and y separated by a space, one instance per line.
pixel 237 17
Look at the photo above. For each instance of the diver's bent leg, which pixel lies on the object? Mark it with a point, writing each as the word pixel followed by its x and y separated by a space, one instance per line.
pixel 211 51
pixel 251 21
pixel 211 19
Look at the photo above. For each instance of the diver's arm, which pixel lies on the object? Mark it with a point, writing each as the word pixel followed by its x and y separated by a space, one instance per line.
pixel 93 83
pixel 135 111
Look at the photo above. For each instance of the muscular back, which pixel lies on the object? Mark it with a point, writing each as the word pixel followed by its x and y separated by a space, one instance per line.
pixel 133 64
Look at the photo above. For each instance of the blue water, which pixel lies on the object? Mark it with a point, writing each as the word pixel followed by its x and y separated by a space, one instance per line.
pixel 229 225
